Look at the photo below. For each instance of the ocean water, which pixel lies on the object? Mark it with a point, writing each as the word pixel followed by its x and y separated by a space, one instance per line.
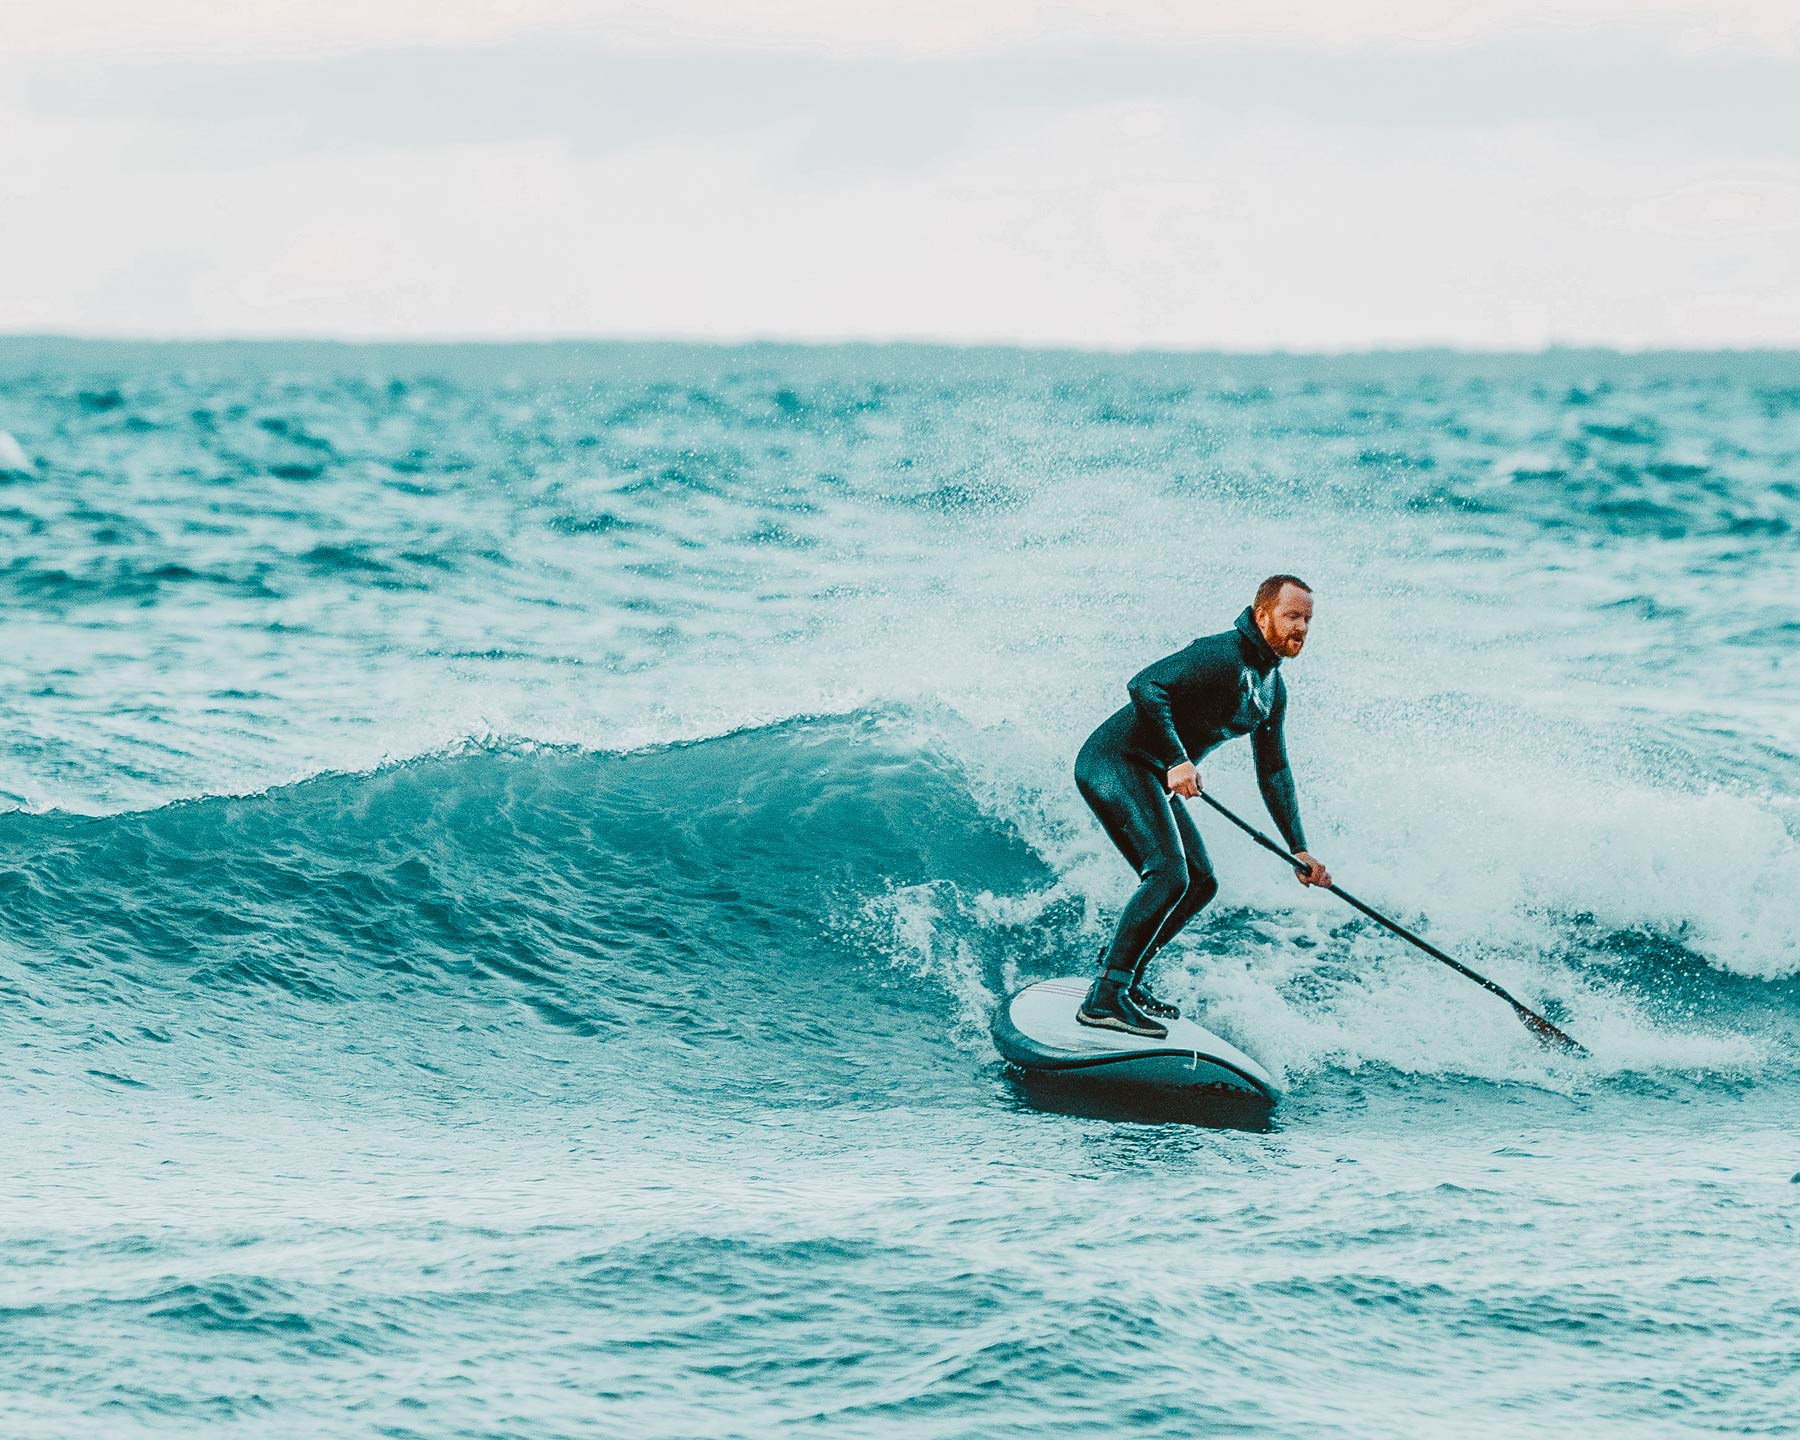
pixel 507 857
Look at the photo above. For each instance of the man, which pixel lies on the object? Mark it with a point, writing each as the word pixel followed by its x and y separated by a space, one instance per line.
pixel 1141 757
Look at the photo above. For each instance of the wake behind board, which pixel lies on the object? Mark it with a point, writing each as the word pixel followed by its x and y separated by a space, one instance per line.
pixel 1037 1031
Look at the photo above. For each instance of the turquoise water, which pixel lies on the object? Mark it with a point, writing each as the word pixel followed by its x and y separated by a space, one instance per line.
pixel 509 855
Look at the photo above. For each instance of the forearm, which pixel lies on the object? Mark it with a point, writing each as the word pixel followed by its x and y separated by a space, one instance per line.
pixel 1280 796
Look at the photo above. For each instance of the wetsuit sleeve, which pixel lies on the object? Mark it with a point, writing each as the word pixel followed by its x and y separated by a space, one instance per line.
pixel 1151 689
pixel 1273 777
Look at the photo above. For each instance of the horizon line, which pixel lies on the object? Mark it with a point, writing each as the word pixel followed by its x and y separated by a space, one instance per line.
pixel 774 342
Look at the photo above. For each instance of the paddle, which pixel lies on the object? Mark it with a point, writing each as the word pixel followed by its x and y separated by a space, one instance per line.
pixel 1533 1021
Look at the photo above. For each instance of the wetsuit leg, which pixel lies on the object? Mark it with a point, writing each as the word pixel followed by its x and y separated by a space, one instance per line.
pixel 1202 884
pixel 1137 814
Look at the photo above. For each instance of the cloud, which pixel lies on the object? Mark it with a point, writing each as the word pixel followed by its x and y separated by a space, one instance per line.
pixel 876 108
pixel 891 28
pixel 1492 193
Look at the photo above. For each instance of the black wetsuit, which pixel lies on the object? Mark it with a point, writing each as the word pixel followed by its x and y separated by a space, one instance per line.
pixel 1221 686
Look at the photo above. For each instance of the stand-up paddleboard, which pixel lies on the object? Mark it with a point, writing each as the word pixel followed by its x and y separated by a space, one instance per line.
pixel 1037 1031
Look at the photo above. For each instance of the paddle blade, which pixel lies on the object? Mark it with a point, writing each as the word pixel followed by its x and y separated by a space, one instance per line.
pixel 1548 1033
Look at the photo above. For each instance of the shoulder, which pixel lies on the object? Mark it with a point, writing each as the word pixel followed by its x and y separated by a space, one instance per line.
pixel 1212 662
pixel 1223 646
pixel 1209 659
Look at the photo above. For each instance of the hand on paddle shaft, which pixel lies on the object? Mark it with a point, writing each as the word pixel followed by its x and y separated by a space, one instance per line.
pixel 1184 779
pixel 1534 1022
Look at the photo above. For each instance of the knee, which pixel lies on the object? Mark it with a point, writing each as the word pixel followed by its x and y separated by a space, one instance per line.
pixel 1202 885
pixel 1164 883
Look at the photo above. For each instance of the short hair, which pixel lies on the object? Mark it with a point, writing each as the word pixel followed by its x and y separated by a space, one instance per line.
pixel 1269 591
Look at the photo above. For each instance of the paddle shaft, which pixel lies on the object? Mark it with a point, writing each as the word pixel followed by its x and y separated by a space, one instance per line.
pixel 1537 1023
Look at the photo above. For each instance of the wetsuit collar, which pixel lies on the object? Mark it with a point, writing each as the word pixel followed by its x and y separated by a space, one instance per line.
pixel 1256 648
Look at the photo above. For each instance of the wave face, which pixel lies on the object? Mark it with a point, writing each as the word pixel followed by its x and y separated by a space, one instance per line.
pixel 511 852
pixel 698 921
pixel 817 907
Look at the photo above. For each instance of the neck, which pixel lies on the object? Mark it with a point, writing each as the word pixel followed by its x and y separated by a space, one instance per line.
pixel 1254 632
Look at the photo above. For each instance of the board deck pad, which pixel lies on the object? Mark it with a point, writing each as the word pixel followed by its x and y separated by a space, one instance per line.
pixel 1037 1031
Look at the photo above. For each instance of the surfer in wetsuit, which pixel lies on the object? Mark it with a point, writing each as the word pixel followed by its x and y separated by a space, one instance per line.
pixel 1141 757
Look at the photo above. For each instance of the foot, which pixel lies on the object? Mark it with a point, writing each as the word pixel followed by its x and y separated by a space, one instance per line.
pixel 1150 1005
pixel 1109 1007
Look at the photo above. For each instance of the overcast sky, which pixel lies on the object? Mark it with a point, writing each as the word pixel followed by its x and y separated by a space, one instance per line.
pixel 1247 176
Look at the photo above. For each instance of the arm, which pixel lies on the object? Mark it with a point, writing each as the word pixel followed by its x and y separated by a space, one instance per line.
pixel 1274 778
pixel 1180 682
pixel 1149 691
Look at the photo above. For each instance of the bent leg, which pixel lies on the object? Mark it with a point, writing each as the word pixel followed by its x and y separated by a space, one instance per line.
pixel 1136 813
pixel 1202 884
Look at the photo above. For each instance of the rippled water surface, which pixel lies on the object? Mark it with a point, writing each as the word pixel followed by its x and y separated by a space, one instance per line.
pixel 508 855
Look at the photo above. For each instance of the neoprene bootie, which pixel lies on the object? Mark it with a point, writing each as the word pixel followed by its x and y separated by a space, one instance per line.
pixel 1108 1007
pixel 1150 1005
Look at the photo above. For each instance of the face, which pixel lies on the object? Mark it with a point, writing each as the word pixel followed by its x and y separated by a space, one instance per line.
pixel 1285 622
